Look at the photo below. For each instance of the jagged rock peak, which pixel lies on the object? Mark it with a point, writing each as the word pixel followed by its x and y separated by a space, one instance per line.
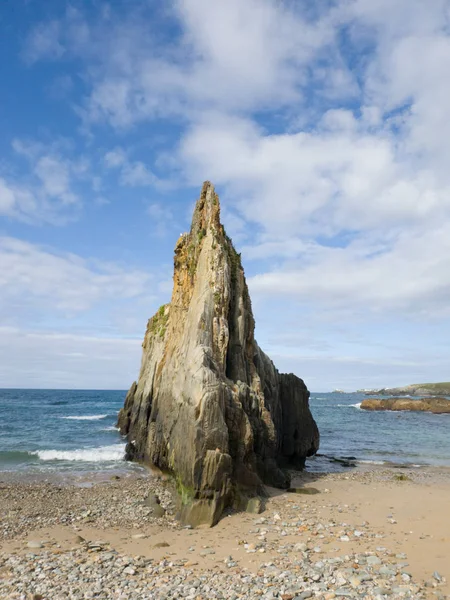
pixel 209 406
pixel 207 211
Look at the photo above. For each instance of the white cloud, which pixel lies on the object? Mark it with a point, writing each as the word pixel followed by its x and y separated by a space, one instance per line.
pixel 115 158
pixel 161 217
pixel 250 55
pixel 48 358
pixel 325 127
pixel 132 173
pixel 15 200
pixel 412 276
pixel 70 322
pixel 44 43
pixel 44 190
pixel 33 278
pixel 338 177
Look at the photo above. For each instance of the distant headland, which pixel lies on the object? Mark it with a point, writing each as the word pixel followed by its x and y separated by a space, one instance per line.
pixel 421 390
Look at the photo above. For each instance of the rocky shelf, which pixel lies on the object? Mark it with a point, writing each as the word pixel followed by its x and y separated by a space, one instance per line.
pixel 433 405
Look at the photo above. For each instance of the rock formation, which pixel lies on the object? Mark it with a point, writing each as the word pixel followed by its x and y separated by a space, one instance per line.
pixel 415 389
pixel 209 406
pixel 433 405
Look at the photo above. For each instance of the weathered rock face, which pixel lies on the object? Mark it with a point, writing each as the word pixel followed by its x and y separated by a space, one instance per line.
pixel 209 405
pixel 433 405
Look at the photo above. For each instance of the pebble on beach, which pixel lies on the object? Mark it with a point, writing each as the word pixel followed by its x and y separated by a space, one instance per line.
pixel 291 553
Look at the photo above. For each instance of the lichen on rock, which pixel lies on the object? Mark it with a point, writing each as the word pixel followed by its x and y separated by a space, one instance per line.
pixel 209 406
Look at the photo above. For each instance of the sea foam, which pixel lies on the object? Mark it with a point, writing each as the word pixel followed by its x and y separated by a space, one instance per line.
pixel 102 454
pixel 85 418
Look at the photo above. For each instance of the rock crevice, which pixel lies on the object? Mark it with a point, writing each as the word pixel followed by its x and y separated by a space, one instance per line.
pixel 209 405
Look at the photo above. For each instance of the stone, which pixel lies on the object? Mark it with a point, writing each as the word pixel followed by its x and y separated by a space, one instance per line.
pixel 254 506
pixel 34 544
pixel 154 503
pixel 304 491
pixel 433 405
pixel 300 547
pixel 209 406
pixel 161 545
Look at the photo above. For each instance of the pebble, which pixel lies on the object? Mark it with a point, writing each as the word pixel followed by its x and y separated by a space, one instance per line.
pixel 301 559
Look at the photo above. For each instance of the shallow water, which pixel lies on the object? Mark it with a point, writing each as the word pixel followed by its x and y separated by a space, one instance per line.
pixel 377 437
pixel 45 431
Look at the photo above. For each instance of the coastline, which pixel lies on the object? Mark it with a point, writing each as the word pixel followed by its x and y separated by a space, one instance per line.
pixel 387 528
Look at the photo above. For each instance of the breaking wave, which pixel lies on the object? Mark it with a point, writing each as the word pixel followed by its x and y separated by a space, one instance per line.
pixel 103 454
pixel 85 418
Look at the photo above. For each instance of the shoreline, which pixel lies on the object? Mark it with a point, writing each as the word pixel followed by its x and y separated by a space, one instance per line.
pixel 322 464
pixel 361 530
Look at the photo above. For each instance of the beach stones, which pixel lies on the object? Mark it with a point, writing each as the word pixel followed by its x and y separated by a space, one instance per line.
pixel 254 506
pixel 154 503
pixel 250 556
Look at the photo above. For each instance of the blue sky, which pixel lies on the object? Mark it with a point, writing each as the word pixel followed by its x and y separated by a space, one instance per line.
pixel 325 131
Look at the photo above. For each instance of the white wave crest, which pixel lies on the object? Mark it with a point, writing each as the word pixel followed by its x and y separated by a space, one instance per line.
pixel 111 428
pixel 85 418
pixel 101 454
pixel 358 405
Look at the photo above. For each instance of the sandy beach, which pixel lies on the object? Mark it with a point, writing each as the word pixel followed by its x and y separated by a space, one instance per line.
pixel 373 533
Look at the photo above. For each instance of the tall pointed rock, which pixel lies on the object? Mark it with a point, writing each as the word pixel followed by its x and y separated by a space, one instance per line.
pixel 209 405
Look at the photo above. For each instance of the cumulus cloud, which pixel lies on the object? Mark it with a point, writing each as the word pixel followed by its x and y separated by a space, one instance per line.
pixel 324 125
pixel 412 276
pixel 43 191
pixel 236 56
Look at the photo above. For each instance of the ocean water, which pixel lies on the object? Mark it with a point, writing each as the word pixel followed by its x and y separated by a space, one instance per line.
pixel 60 430
pixel 408 438
pixel 44 431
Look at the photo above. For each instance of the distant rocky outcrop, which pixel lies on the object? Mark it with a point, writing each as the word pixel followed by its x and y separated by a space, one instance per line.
pixel 433 405
pixel 416 389
pixel 209 406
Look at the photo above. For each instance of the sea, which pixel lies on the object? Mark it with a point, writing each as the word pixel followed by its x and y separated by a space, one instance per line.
pixel 74 431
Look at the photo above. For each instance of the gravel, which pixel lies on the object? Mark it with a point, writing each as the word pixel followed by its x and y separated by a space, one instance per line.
pixel 285 544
